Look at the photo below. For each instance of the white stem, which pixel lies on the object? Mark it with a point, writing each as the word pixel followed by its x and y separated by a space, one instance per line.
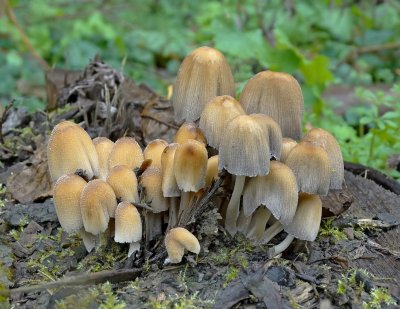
pixel 153 225
pixel 133 247
pixel 243 222
pixel 279 248
pixel 232 212
pixel 185 199
pixel 259 221
pixel 89 240
pixel 173 212
pixel 271 232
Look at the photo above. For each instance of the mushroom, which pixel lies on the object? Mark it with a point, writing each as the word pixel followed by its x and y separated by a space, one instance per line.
pixel 310 163
pixel 103 148
pixel 128 226
pixel 287 145
pixel 277 95
pixel 258 223
pixel 216 116
pixel 98 204
pixel 244 151
pixel 154 150
pixel 189 130
pixel 126 151
pixel 124 183
pixel 212 170
pixel 327 141
pixel 70 150
pixel 177 240
pixel 203 75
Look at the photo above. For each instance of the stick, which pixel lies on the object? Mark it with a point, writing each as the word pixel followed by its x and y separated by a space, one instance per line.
pixel 3 119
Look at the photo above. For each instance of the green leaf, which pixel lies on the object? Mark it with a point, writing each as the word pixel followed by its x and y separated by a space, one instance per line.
pixel 316 71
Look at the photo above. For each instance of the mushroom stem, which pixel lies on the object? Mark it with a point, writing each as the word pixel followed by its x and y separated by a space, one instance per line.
pixel 271 232
pixel 133 247
pixel 243 222
pixel 282 246
pixel 173 212
pixel 185 200
pixel 258 223
pixel 232 212
pixel 153 225
pixel 89 240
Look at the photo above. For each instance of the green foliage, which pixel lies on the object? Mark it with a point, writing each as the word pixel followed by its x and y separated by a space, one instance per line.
pixel 327 230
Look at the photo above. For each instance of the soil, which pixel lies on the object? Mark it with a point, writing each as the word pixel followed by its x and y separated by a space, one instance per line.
pixel 355 255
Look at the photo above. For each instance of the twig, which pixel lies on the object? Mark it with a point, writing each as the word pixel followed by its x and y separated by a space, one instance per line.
pixel 24 37
pixel 3 119
pixel 112 276
pixel 369 49
pixel 144 206
pixel 160 121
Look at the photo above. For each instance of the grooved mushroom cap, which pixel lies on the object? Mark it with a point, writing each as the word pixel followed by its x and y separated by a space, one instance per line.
pixel 212 170
pixel 154 150
pixel 103 148
pixel 189 130
pixel 190 166
pixel 306 221
pixel 310 163
pixel 287 145
pixel 277 95
pixel 98 204
pixel 66 196
pixel 216 116
pixel 124 183
pixel 177 240
pixel 278 191
pixel 69 150
pixel 126 151
pixel 203 75
pixel 273 131
pixel 169 186
pixel 128 224
pixel 151 181
pixel 244 149
pixel 327 141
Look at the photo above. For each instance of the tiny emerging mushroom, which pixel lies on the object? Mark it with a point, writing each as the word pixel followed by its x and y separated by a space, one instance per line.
pixel 154 150
pixel 189 130
pixel 126 151
pixel 177 240
pixel 124 183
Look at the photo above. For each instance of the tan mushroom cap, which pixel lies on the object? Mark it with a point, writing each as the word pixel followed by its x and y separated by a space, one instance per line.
pixel 273 131
pixel 124 183
pixel 70 149
pixel 327 141
pixel 212 170
pixel 189 130
pixel 177 240
pixel 244 149
pixel 169 186
pixel 103 147
pixel 306 221
pixel 151 181
pixel 203 75
pixel 277 95
pixel 154 150
pixel 190 166
pixel 310 163
pixel 216 116
pixel 66 196
pixel 126 151
pixel 278 191
pixel 128 224
pixel 287 145
pixel 98 204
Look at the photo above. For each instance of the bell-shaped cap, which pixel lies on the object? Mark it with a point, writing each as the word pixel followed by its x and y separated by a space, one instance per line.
pixel 306 221
pixel 151 182
pixel 128 224
pixel 154 150
pixel 66 195
pixel 277 95
pixel 98 204
pixel 212 170
pixel 327 141
pixel 203 75
pixel 70 150
pixel 278 191
pixel 177 240
pixel 126 151
pixel 124 183
pixel 189 130
pixel 244 149
pixel 310 163
pixel 169 186
pixel 287 145
pixel 216 116
pixel 103 147
pixel 190 166
pixel 273 131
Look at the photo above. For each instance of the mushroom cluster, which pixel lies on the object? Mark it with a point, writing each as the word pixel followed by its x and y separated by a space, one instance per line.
pixel 277 175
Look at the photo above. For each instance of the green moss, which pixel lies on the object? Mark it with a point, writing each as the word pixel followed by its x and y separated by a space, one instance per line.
pixel 232 274
pixel 327 230
pixel 379 297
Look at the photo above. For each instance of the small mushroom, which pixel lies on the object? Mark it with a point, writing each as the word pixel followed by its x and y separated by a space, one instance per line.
pixel 103 148
pixel 124 183
pixel 154 150
pixel 203 75
pixel 126 151
pixel 287 145
pixel 177 240
pixel 189 130
pixel 128 226
pixel 70 150
pixel 212 170
pixel 169 185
